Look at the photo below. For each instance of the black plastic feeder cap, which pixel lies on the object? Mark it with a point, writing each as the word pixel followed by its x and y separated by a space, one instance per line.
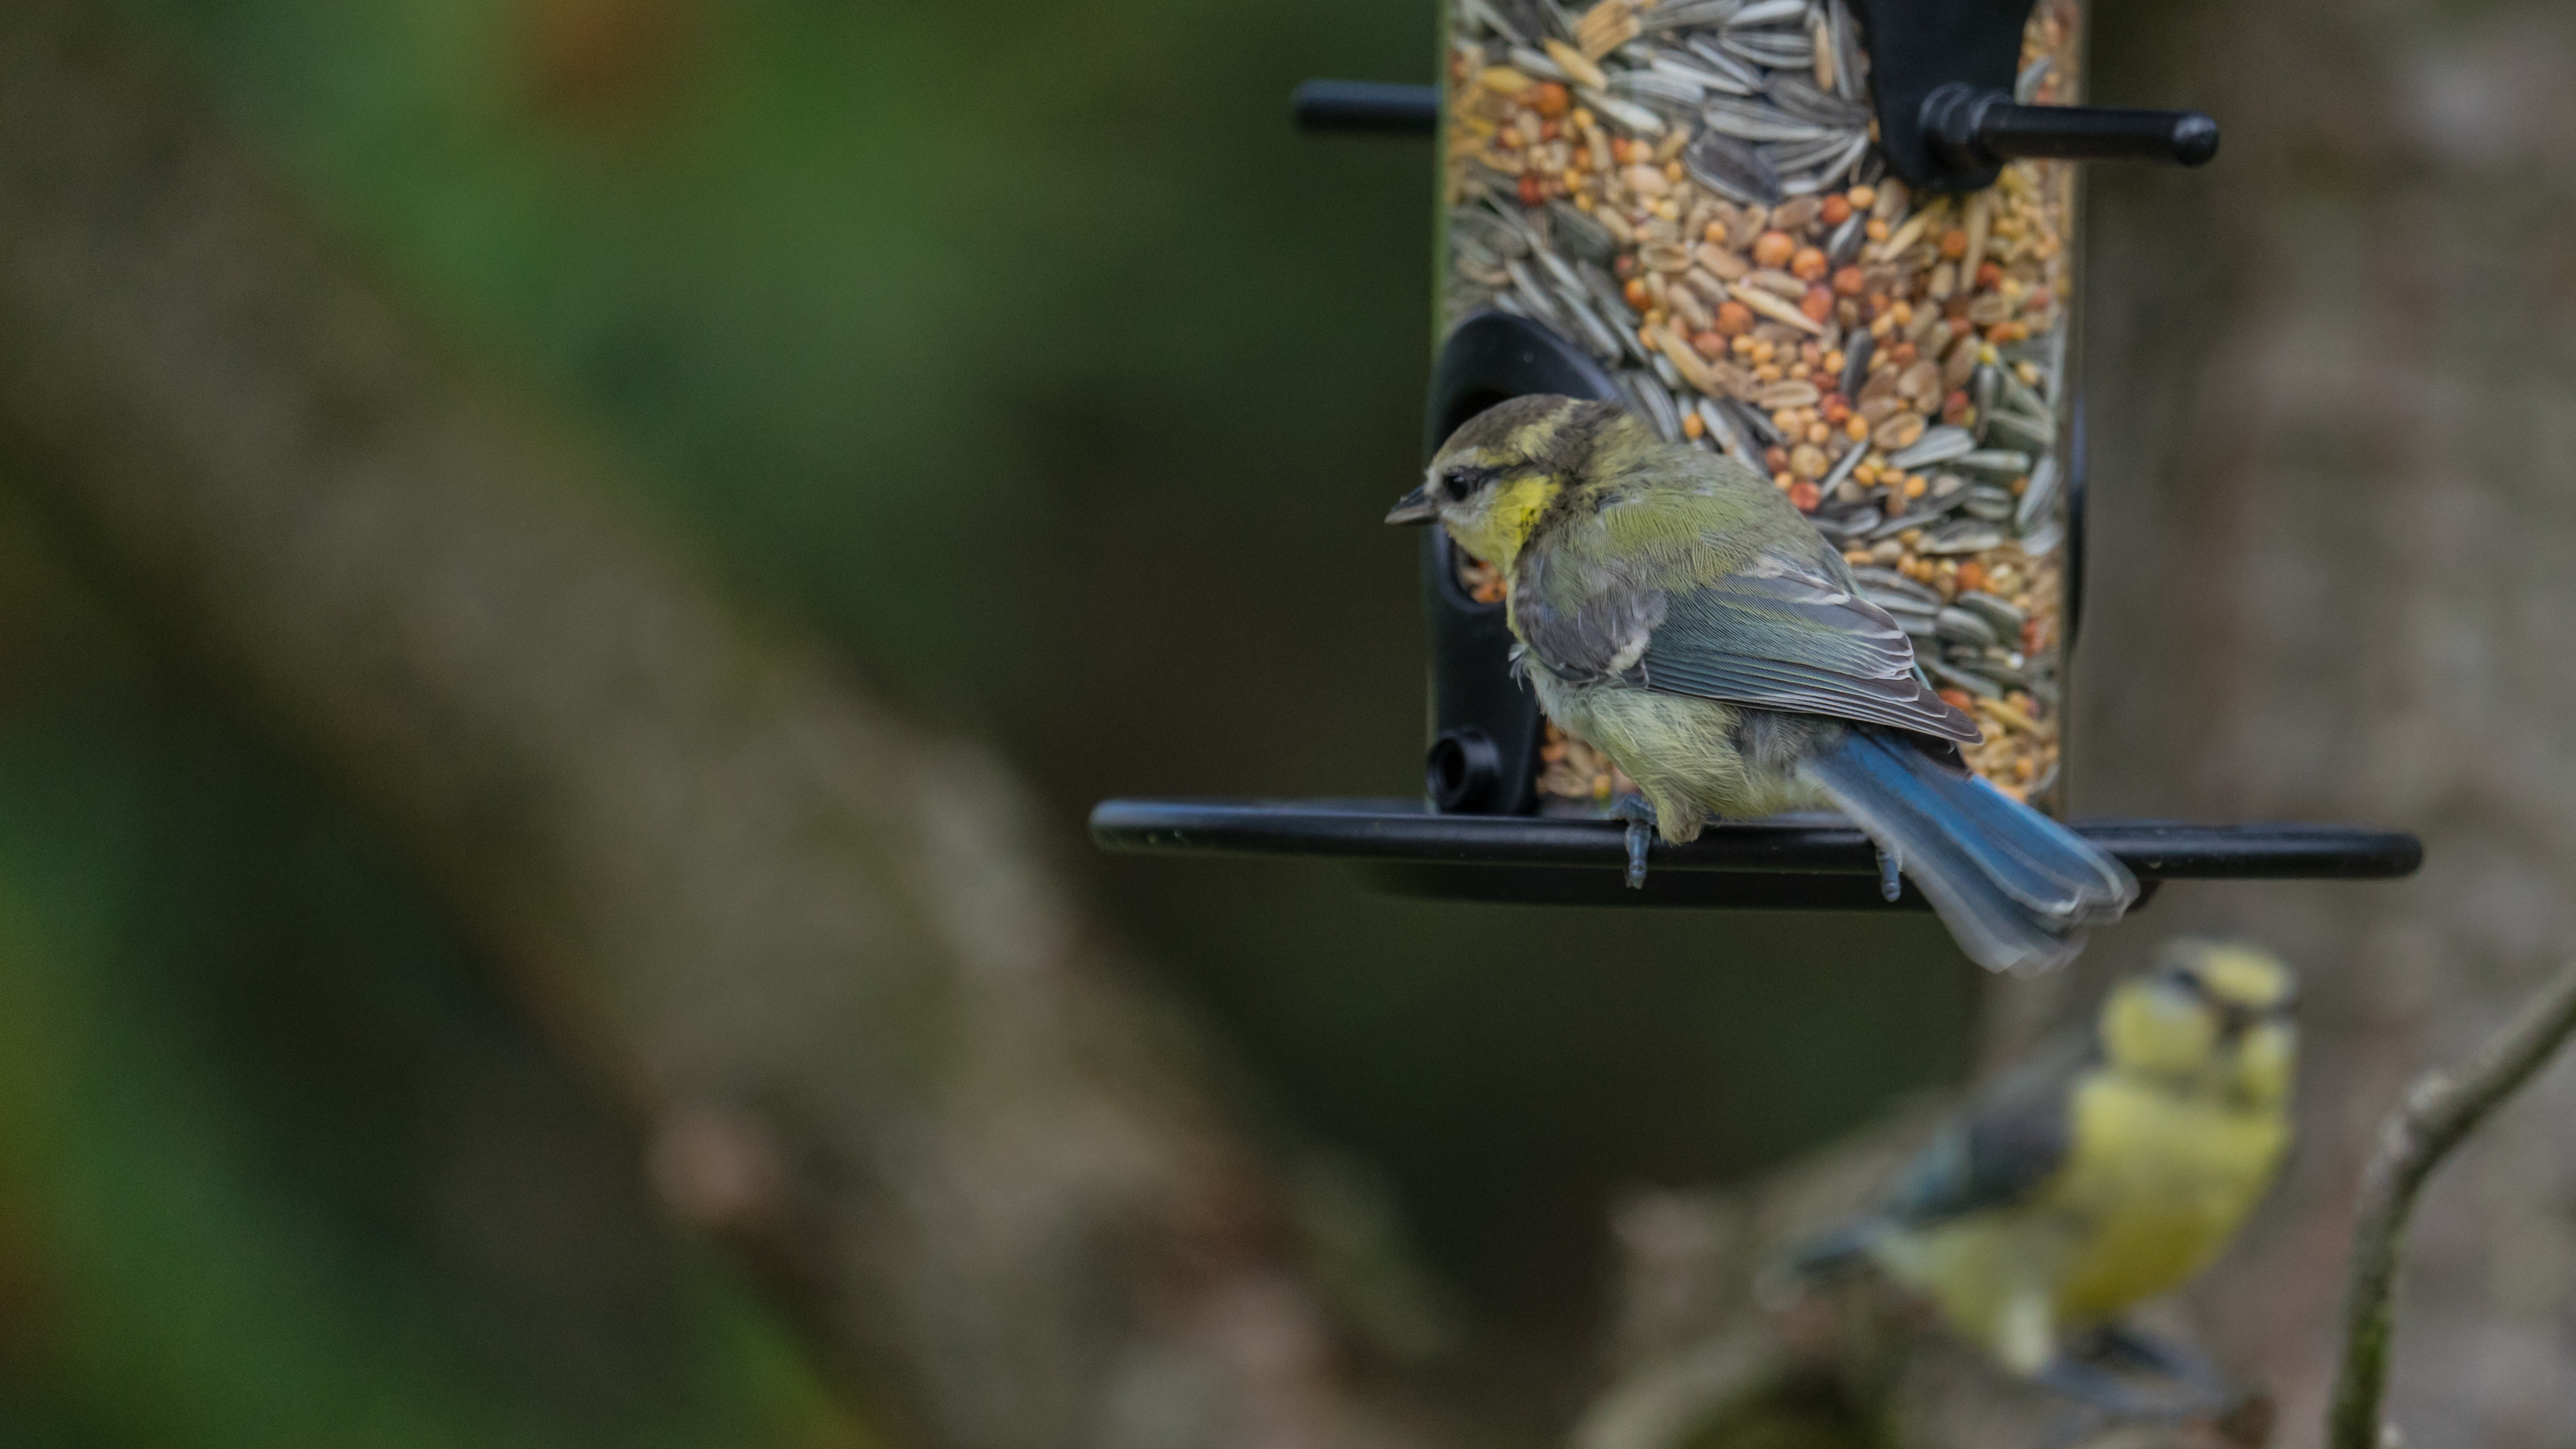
pixel 1463 770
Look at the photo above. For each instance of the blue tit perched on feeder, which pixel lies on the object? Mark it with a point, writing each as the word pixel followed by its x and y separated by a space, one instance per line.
pixel 2102 1172
pixel 1673 608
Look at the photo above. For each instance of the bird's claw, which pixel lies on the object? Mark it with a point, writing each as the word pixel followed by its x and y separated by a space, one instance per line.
pixel 1640 816
pixel 2107 1400
pixel 1891 883
pixel 2119 1343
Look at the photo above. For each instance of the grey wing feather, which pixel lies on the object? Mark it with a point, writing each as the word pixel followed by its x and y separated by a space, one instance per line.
pixel 1592 643
pixel 2008 1141
pixel 1789 636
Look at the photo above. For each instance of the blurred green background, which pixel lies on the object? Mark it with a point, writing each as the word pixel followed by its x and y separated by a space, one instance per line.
pixel 1023 352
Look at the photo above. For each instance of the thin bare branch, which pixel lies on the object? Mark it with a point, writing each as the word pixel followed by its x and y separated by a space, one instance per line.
pixel 2439 1113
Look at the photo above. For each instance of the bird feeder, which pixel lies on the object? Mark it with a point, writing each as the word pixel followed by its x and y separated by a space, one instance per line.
pixel 1835 239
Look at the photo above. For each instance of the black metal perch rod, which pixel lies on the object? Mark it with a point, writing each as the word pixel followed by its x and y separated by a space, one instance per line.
pixel 1792 863
pixel 1966 128
pixel 1365 108
pixel 1974 130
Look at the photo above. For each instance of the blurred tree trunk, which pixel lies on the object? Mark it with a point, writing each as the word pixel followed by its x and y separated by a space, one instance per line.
pixel 814 948
pixel 2333 397
pixel 2337 447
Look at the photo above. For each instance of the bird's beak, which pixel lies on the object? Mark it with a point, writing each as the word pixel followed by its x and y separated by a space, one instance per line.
pixel 1413 507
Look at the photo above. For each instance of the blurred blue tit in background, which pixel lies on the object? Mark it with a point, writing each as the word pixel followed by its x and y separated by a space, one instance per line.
pixel 2111 1167
pixel 1673 608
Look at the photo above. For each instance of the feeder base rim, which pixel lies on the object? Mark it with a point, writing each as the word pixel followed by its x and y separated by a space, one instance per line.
pixel 1802 862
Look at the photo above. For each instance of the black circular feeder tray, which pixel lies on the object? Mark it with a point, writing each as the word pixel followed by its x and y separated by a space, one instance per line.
pixel 1405 847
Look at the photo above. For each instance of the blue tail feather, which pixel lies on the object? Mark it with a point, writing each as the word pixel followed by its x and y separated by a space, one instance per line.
pixel 2015 887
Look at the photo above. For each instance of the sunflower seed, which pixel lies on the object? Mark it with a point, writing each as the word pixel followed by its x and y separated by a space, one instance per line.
pixel 1490 236
pixel 1512 22
pixel 1818 156
pixel 1754 121
pixel 1917 618
pixel 1472 249
pixel 2018 395
pixel 1680 14
pixel 1732 169
pixel 1706 77
pixel 1842 248
pixel 1526 282
pixel 1627 114
pixel 2007 428
pixel 1778 49
pixel 2002 666
pixel 1755 421
pixel 1958 626
pixel 1580 234
pixel 1938 445
pixel 1647 397
pixel 1603 340
pixel 1845 526
pixel 2039 497
pixel 1962 535
pixel 1992 504
pixel 1856 362
pixel 2026 84
pixel 1563 273
pixel 1708 52
pixel 1800 98
pixel 1998 612
pixel 1847 52
pixel 1655 87
pixel 1843 467
pixel 1535 63
pixel 1722 426
pixel 1994 460
pixel 1537 306
pixel 1768 12
pixel 1926 512
pixel 1881 583
pixel 1951 674
pixel 1852 154
pixel 1606 293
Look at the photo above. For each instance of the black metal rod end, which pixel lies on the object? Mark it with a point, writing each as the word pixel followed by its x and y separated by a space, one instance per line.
pixel 2195 139
pixel 1365 108
pixel 1975 131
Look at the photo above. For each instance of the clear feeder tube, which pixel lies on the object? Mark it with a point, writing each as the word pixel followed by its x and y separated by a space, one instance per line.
pixel 1690 191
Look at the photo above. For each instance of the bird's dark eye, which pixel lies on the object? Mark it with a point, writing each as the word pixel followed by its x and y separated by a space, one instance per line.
pixel 1463 481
